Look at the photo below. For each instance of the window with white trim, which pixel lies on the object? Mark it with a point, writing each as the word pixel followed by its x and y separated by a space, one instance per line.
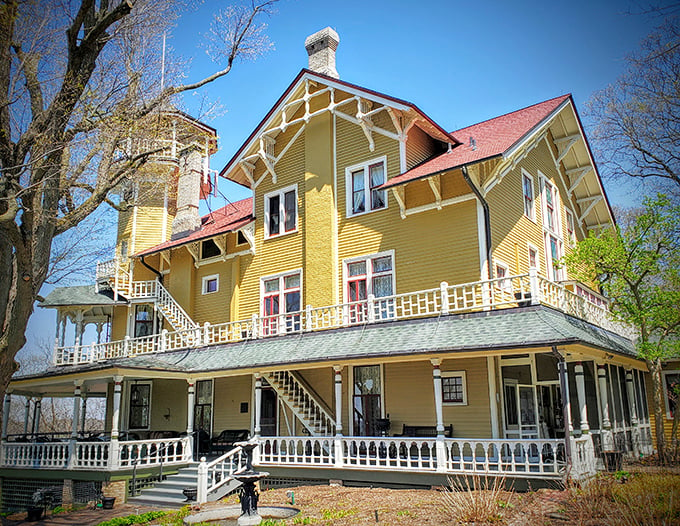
pixel 454 388
pixel 671 391
pixel 571 233
pixel 366 276
pixel 550 207
pixel 362 182
pixel 502 271
pixel 528 192
pixel 553 249
pixel 533 256
pixel 280 212
pixel 554 246
pixel 139 407
pixel 281 303
pixel 210 284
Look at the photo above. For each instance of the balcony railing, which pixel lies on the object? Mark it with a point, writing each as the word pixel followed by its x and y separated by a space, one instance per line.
pixel 500 293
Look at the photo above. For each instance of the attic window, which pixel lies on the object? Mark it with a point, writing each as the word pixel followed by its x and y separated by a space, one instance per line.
pixel 240 238
pixel 209 249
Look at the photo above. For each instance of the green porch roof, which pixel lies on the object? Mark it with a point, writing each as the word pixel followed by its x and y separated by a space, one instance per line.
pixel 78 295
pixel 519 328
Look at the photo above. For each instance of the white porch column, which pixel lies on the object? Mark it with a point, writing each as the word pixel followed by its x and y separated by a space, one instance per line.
pixel 5 413
pixel 76 408
pixel 338 416
pixel 78 337
pixel 83 412
pixel 439 412
pixel 566 405
pixel 606 425
pixel 493 396
pixel 27 413
pixel 114 456
pixel 191 402
pixel 100 325
pixel 632 407
pixel 36 415
pixel 581 393
pixel 62 338
pixel 258 404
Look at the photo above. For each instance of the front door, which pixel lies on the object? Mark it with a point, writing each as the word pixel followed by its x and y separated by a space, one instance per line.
pixel 268 415
pixel 203 414
pixel 521 418
pixel 367 400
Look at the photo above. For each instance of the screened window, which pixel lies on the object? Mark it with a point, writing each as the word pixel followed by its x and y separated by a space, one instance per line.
pixel 528 190
pixel 281 212
pixel 373 275
pixel 454 388
pixel 363 182
pixel 281 303
pixel 140 406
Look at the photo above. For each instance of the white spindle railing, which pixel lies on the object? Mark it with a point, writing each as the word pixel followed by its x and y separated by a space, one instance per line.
pixel 497 293
pixel 583 459
pixel 154 452
pixel 48 455
pixel 412 454
pixel 218 472
pixel 297 451
pixel 91 455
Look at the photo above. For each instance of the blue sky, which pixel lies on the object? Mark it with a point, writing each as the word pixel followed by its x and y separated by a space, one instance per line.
pixel 460 62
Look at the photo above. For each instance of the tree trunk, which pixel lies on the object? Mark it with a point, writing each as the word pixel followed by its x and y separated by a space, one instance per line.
pixel 659 407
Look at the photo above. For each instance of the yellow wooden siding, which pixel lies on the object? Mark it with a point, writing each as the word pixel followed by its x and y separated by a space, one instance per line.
pixel 419 147
pixel 169 396
pixel 322 381
pixel 119 323
pixel 228 394
pixel 474 419
pixel 213 307
pixel 453 184
pixel 180 280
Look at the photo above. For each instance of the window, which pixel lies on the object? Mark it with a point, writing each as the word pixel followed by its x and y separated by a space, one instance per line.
pixel 210 284
pixel 143 320
pixel 528 190
pixel 554 251
pixel 671 391
pixel 366 399
pixel 140 405
pixel 551 201
pixel 241 238
pixel 280 212
pixel 372 275
pixel 281 303
pixel 454 391
pixel 363 181
pixel 571 234
pixel 533 257
pixel 209 249
pixel 124 249
pixel 503 271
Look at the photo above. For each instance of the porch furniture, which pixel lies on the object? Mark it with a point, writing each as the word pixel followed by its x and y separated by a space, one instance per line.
pixel 424 431
pixel 226 439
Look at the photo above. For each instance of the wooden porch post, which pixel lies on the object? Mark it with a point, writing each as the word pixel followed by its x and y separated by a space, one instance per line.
pixel 338 416
pixel 493 396
pixel 566 405
pixel 258 404
pixel 439 411
pixel 115 422
pixel 632 407
pixel 36 415
pixel 76 408
pixel 83 412
pixel 27 413
pixel 581 393
pixel 606 425
pixel 5 414
pixel 191 402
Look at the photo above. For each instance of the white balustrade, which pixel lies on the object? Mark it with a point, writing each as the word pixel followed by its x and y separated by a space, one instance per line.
pixel 296 451
pixel 48 455
pixel 506 292
pixel 154 452
pixel 584 461
pixel 91 455
pixel 218 472
pixel 412 454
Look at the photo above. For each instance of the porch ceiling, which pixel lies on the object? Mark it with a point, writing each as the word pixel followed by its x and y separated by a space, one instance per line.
pixel 485 332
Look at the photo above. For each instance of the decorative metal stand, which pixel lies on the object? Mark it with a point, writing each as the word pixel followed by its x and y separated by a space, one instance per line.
pixel 249 495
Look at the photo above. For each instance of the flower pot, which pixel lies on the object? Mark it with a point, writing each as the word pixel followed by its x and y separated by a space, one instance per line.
pixel 107 502
pixel 34 513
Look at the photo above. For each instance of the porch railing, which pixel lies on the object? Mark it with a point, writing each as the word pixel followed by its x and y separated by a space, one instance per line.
pixel 96 455
pixel 539 458
pixel 492 294
pixel 213 475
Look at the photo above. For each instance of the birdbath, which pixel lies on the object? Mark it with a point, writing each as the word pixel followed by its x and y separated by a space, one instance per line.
pixel 249 495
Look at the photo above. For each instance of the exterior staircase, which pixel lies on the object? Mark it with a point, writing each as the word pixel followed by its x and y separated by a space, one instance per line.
pixel 168 493
pixel 305 404
pixel 115 275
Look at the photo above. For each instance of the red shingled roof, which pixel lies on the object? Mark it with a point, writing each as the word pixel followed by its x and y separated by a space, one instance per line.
pixel 492 138
pixel 226 219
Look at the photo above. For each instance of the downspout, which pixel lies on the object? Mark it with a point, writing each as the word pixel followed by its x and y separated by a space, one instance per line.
pixel 487 219
pixel 160 276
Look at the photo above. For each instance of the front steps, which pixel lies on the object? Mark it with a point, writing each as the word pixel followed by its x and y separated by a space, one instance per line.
pixel 168 493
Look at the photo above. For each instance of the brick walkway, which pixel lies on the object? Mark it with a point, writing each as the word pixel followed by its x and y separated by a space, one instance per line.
pixel 87 517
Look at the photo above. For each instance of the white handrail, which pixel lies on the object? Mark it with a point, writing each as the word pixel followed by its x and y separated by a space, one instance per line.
pixel 212 475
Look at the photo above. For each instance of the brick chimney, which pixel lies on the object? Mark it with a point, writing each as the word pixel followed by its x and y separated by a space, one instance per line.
pixel 187 219
pixel 321 48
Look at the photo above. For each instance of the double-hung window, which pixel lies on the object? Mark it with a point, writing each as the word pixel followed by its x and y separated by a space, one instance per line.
pixel 571 233
pixel 528 191
pixel 280 212
pixel 552 231
pixel 363 182
pixel 454 389
pixel 502 272
pixel 281 303
pixel 370 276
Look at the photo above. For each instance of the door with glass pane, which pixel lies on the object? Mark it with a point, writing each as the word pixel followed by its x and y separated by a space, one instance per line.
pixel 268 413
pixel 366 401
pixel 528 417
pixel 203 414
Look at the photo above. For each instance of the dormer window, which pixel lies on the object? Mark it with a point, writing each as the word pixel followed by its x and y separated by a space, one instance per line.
pixel 280 212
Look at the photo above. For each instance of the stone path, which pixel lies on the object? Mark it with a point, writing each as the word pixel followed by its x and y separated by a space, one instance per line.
pixel 86 517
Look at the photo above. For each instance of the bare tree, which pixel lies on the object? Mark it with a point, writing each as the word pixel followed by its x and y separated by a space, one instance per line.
pixel 637 119
pixel 76 78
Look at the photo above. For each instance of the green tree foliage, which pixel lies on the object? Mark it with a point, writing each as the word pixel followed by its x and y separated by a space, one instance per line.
pixel 638 266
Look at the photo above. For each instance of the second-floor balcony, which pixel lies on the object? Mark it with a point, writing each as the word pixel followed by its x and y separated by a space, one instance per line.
pixel 486 295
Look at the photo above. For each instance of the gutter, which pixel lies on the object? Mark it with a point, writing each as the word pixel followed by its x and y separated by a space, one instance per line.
pixel 487 219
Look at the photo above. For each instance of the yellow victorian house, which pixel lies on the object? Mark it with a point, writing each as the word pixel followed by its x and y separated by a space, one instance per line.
pixel 388 307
